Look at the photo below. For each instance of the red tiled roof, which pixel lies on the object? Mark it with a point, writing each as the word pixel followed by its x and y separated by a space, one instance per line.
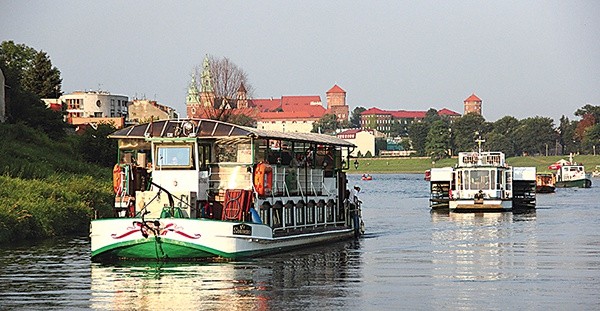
pixel 265 104
pixel 348 132
pixel 300 101
pixel 405 114
pixel 373 111
pixel 473 98
pixel 336 89
pixel 447 112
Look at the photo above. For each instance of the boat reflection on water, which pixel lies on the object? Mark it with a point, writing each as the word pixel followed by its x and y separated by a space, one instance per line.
pixel 481 247
pixel 266 283
pixel 482 218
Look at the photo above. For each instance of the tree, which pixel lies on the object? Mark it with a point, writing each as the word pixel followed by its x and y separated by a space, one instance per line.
pixel 534 135
pixel 431 116
pixel 566 135
pixel 222 79
pixel 438 140
pixel 23 105
pixel 16 58
pixel 95 146
pixel 327 124
pixel 41 78
pixel 418 137
pixel 466 130
pixel 355 117
pixel 591 142
pixel 496 141
pixel 502 136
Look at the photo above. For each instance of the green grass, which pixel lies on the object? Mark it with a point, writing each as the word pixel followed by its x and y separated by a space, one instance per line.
pixel 419 165
pixel 46 190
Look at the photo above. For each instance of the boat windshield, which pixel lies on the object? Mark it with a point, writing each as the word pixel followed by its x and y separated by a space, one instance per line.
pixel 480 179
pixel 174 156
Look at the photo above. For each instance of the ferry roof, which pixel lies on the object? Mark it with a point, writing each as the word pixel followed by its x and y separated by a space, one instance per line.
pixel 206 128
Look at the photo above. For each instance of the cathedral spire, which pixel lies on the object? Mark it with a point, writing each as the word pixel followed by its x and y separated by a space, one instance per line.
pixel 193 94
pixel 206 77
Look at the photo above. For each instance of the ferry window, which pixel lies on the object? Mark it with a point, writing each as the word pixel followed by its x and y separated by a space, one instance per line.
pixel 479 180
pixel 174 156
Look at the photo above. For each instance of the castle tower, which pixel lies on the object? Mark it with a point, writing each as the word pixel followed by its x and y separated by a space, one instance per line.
pixel 336 103
pixel 473 104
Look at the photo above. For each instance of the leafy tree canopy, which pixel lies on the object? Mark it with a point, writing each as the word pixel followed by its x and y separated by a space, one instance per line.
pixel 25 70
pixel 355 117
pixel 327 124
pixel 466 130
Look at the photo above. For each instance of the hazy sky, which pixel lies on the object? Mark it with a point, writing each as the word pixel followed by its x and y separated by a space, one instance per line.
pixel 522 58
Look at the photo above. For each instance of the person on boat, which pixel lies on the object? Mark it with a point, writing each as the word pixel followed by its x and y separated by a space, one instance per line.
pixel 354 204
pixel 353 198
pixel 479 195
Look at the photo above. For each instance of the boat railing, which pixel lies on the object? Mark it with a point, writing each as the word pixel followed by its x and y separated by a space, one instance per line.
pixel 304 216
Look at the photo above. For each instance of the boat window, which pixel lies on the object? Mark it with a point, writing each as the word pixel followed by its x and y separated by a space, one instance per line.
pixel 479 180
pixel 174 157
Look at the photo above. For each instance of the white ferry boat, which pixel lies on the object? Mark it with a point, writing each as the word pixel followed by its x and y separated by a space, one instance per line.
pixel 482 181
pixel 196 188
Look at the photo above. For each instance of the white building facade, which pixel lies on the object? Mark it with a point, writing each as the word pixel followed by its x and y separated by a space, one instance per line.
pixel 95 104
pixel 363 139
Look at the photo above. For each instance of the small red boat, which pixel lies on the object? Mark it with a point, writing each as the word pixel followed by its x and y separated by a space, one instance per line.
pixel 366 177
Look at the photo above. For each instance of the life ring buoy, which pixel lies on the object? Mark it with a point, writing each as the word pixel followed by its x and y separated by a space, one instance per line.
pixel 118 179
pixel 263 179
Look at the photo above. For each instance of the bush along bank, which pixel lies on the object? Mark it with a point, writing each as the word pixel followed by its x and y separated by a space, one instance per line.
pixel 46 190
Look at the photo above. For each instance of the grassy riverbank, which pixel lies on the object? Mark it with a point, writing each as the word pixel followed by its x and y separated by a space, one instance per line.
pixel 419 165
pixel 46 190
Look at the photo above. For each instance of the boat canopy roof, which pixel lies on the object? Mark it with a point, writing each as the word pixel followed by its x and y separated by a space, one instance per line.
pixel 206 128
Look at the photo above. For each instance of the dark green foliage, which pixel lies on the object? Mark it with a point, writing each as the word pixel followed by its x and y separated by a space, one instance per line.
pixel 466 130
pixel 30 77
pixel 45 188
pixel 533 135
pixel 438 140
pixel 327 124
pixel 418 137
pixel 41 78
pixel 355 117
pixel 95 146
pixel 380 144
pixel 56 206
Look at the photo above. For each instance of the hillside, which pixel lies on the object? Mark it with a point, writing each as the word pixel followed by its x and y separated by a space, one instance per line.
pixel 45 189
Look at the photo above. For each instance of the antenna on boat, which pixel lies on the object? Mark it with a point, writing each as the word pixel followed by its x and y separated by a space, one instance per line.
pixel 479 141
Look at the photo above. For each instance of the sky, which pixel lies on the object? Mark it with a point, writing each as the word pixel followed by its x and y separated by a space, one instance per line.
pixel 522 58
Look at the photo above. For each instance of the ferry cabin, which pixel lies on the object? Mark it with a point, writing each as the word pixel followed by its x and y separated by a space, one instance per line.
pixel 482 181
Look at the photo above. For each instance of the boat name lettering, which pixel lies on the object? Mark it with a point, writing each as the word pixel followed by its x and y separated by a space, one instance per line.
pixel 242 229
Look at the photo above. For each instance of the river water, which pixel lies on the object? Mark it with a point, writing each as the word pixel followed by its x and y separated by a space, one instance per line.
pixel 410 259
